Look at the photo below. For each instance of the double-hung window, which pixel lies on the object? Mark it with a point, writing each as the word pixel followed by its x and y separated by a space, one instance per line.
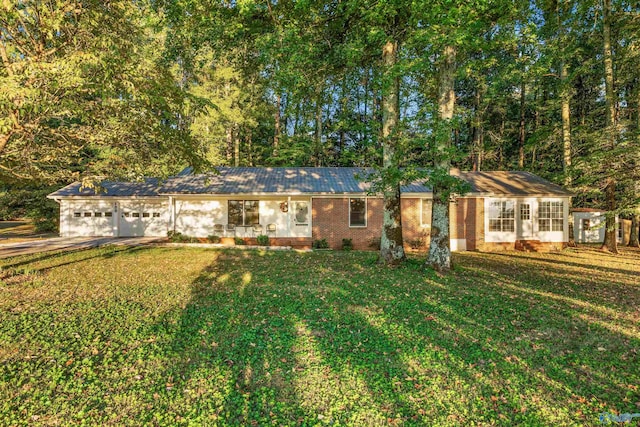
pixel 358 212
pixel 551 216
pixel 244 212
pixel 502 216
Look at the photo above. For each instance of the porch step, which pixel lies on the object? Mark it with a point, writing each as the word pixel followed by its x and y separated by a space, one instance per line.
pixel 296 243
pixel 529 245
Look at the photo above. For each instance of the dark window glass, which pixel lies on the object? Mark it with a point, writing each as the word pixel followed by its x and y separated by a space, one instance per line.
pixel 357 211
pixel 97 214
pixel 77 214
pixel 251 212
pixel 145 214
pixel 235 212
pixel 108 214
pixel 135 214
pixel 87 214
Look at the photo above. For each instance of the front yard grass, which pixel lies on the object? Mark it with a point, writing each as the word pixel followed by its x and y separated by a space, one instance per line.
pixel 189 336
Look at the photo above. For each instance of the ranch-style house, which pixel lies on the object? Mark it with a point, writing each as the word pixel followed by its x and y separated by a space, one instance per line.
pixel 296 205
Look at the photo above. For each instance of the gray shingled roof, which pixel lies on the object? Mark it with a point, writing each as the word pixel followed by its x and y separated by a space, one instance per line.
pixel 511 183
pixel 146 188
pixel 245 180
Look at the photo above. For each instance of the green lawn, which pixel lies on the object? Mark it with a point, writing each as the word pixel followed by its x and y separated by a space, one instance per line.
pixel 173 336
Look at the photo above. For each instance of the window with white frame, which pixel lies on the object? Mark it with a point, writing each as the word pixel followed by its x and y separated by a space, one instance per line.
pixel 502 215
pixel 551 216
pixel 425 212
pixel 358 212
pixel 525 212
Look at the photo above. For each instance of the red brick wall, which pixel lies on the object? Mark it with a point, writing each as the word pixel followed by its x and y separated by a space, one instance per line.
pixel 467 221
pixel 331 221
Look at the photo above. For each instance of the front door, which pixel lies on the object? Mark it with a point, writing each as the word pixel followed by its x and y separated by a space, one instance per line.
pixel 301 219
pixel 525 223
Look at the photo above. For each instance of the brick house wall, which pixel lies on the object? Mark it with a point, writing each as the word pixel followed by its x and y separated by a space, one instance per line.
pixel 330 219
pixel 467 221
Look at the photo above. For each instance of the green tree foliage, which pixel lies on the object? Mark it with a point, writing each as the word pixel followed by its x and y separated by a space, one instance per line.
pixel 85 92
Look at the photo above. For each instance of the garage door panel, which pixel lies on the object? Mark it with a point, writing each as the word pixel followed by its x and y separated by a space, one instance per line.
pixel 143 219
pixel 88 218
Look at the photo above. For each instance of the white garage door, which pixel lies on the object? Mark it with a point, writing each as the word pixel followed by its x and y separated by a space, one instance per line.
pixel 88 218
pixel 143 219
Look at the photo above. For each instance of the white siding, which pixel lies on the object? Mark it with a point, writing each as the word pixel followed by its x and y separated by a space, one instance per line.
pixel 196 218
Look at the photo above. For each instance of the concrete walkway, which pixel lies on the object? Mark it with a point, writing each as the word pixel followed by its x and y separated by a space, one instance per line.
pixel 70 244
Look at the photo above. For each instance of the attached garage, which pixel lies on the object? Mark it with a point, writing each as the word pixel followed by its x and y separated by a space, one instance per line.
pixel 116 210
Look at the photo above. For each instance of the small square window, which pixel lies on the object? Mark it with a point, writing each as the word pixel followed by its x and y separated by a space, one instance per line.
pixel 108 214
pixel 525 212
pixel 87 214
pixel 97 214
pixel 77 214
pixel 156 214
pixel 126 214
pixel 135 214
pixel 145 214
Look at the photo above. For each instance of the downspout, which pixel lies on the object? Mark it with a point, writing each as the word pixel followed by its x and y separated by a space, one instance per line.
pixel 172 214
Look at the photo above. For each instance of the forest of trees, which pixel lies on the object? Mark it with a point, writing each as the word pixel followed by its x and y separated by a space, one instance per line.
pixel 129 88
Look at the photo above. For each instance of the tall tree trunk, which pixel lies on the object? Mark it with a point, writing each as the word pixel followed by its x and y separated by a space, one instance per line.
pixel 501 146
pixel 343 115
pixel 248 140
pixel 229 148
pixel 391 244
pixel 566 125
pixel 522 134
pixel 610 242
pixel 565 96
pixel 439 257
pixel 477 131
pixel 276 126
pixel 634 239
pixel 318 129
pixel 236 146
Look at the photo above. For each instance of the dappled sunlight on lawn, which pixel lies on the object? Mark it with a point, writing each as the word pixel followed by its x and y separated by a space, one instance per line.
pixel 328 393
pixel 165 336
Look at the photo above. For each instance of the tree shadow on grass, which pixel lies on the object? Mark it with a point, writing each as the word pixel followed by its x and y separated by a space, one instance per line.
pixel 564 263
pixel 25 269
pixel 266 345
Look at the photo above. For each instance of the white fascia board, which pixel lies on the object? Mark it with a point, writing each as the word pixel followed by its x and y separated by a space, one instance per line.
pixel 524 196
pixel 110 198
